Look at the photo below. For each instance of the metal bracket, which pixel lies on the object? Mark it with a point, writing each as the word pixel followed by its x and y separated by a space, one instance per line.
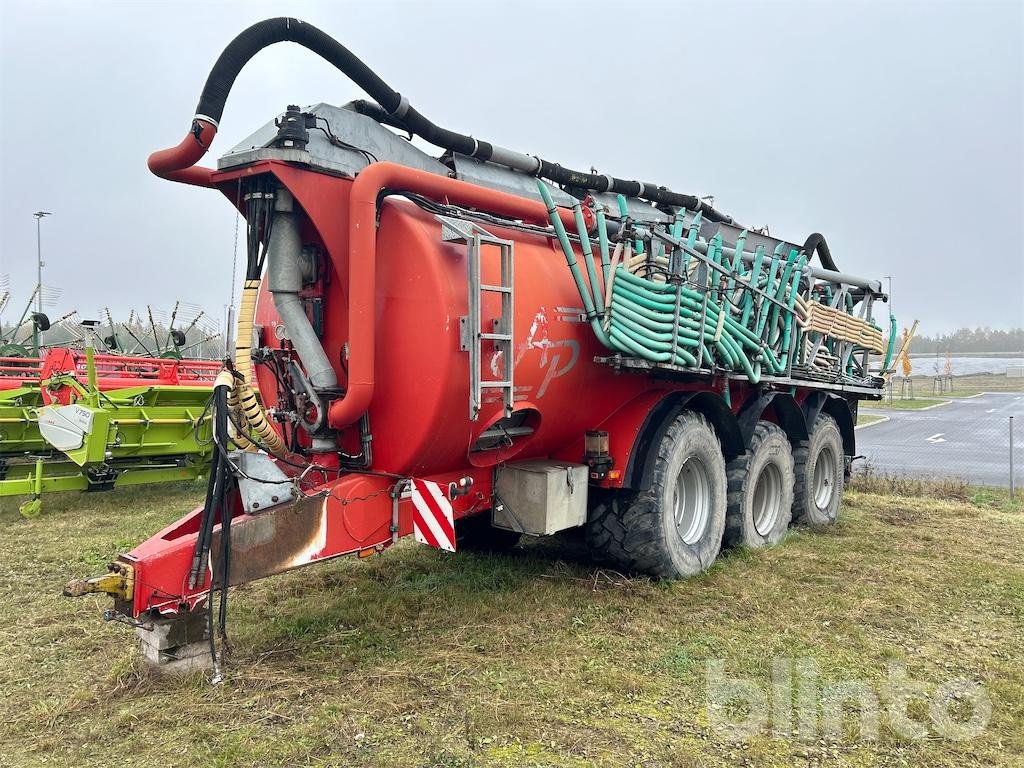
pixel 261 483
pixel 402 489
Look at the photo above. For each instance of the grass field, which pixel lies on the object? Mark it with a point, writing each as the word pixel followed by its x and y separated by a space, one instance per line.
pixel 538 658
pixel 965 386
pixel 903 405
pixel 863 419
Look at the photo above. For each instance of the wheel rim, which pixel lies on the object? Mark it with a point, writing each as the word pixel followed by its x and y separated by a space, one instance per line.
pixel 691 502
pixel 824 478
pixel 767 501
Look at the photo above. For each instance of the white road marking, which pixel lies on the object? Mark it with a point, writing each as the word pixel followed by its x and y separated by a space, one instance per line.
pixel 936 438
pixel 991 410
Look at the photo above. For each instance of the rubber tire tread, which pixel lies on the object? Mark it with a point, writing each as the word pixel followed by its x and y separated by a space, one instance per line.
pixel 628 529
pixel 739 529
pixel 802 497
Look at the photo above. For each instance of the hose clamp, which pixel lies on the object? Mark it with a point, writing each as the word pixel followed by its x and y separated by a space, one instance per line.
pixel 207 119
pixel 401 109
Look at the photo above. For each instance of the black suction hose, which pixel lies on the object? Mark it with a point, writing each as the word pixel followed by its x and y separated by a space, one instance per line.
pixel 397 109
pixel 817 242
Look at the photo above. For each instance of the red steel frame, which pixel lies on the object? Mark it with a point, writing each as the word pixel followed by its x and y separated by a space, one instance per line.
pixel 112 371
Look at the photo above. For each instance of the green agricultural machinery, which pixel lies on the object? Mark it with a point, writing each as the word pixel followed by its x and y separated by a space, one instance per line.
pixel 78 420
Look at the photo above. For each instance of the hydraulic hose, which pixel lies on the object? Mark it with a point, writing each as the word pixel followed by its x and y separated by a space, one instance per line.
pixel 242 402
pixel 243 361
pixel 178 163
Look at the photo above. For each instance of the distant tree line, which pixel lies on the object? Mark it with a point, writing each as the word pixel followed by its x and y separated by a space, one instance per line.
pixel 980 340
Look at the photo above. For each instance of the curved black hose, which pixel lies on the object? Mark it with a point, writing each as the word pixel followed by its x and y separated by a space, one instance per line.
pixel 376 112
pixel 816 242
pixel 282 29
pixel 398 111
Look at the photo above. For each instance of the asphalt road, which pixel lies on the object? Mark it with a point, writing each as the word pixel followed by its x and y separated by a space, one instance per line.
pixel 966 438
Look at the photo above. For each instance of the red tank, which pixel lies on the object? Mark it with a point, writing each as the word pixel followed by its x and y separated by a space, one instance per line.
pixel 420 407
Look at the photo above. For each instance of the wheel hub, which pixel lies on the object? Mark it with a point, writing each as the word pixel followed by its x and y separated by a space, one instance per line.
pixel 824 481
pixel 691 502
pixel 767 502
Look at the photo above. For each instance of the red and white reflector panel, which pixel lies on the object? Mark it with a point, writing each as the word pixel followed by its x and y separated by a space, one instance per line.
pixel 433 522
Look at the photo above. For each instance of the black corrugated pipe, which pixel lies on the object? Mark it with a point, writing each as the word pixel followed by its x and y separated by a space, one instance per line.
pixel 816 242
pixel 398 111
pixel 376 112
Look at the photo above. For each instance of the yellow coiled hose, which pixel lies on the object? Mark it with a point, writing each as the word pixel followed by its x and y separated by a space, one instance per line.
pixel 242 401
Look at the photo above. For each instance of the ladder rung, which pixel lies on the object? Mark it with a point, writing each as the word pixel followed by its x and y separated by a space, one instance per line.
pixel 495 384
pixel 490 240
pixel 497 336
pixel 495 288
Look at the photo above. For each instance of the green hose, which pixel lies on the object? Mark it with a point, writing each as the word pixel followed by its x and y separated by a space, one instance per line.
pixel 570 259
pixel 638 245
pixel 892 342
pixel 588 257
pixel 602 240
pixel 740 321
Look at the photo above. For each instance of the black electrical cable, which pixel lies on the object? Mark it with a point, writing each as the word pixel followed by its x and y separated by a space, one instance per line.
pixel 285 392
pixel 221 416
pixel 282 29
pixel 199 422
pixel 333 139
pixel 259 219
pixel 206 520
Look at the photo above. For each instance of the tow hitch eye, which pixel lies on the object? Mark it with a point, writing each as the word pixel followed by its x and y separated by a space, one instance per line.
pixel 119 583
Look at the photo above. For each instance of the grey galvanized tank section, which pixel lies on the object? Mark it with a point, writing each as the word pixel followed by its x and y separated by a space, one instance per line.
pixel 371 141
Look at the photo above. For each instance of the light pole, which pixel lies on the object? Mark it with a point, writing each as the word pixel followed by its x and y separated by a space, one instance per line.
pixel 39 258
pixel 39 279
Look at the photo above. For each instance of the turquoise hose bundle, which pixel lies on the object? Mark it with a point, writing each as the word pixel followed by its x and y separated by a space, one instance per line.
pixel 742 319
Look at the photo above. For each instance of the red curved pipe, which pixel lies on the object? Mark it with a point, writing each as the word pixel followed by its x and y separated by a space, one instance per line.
pixel 363 251
pixel 179 163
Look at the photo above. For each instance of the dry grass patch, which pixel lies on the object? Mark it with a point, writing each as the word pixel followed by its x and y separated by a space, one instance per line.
pixel 535 658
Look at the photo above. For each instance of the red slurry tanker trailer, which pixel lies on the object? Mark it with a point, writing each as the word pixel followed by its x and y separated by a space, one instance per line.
pixel 485 344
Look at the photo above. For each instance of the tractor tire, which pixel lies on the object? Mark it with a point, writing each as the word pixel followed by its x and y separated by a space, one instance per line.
pixel 605 535
pixel 760 504
pixel 819 469
pixel 674 528
pixel 476 534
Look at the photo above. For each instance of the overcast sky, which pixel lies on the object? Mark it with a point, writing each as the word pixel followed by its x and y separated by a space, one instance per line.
pixel 894 129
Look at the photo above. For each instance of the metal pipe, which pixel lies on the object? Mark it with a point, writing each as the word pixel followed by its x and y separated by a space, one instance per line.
pixel 396 178
pixel 875 286
pixel 179 163
pixel 284 281
pixel 176 163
